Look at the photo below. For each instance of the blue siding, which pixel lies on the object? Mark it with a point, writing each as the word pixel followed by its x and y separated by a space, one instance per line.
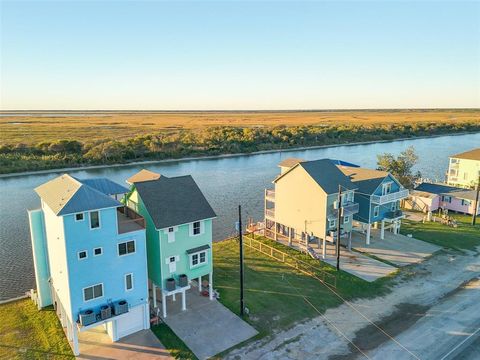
pixel 108 268
pixel 40 257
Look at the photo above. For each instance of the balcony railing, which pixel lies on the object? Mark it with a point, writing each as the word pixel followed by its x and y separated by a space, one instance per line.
pixel 384 199
pixel 129 220
pixel 394 214
pixel 270 213
pixel 270 195
pixel 350 208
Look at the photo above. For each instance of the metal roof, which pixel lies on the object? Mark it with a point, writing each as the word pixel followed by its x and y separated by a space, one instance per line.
pixel 105 186
pixel 67 195
pixel 174 201
pixel 197 249
pixel 442 189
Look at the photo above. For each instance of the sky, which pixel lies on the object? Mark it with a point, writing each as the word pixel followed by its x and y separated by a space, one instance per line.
pixel 239 55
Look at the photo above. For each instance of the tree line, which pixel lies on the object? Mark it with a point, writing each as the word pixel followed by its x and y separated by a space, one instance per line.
pixel 208 141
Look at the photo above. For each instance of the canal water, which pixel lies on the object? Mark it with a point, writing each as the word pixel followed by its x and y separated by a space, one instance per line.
pixel 226 182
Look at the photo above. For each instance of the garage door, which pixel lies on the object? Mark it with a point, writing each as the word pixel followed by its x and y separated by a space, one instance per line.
pixel 130 323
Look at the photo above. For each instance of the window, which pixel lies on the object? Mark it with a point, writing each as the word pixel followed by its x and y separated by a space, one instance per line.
pixel 82 255
pixel 79 217
pixel 94 220
pixel 196 228
pixel 446 198
pixel 97 251
pixel 393 206
pixel 198 259
pixel 376 211
pixel 465 203
pixel 129 281
pixel 386 188
pixel 126 248
pixel 93 292
pixel 331 223
pixel 170 229
pixel 346 219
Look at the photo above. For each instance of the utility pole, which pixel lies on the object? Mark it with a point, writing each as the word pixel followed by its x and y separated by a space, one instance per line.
pixel 339 218
pixel 242 305
pixel 475 207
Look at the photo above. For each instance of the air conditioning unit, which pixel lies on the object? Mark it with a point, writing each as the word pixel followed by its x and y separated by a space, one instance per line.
pixel 120 307
pixel 105 312
pixel 87 317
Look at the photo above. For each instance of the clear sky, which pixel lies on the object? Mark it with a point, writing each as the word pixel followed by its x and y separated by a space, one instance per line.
pixel 239 55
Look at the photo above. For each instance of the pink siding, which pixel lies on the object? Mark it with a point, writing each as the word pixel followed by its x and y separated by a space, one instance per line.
pixel 456 205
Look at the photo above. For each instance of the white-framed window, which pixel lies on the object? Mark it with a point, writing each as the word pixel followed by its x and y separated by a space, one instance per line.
pixel 126 248
pixel 172 263
pixel 376 211
pixel 393 206
pixel 171 229
pixel 386 188
pixel 97 251
pixel 93 292
pixel 465 202
pixel 196 228
pixel 331 223
pixel 83 254
pixel 128 281
pixel 171 233
pixel 198 259
pixel 446 198
pixel 94 219
pixel 79 217
pixel 350 196
pixel 346 219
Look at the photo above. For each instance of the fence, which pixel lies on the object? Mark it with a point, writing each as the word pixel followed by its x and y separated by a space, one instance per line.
pixel 302 266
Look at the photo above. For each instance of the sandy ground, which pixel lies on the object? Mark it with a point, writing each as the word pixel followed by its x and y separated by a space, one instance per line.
pixel 418 290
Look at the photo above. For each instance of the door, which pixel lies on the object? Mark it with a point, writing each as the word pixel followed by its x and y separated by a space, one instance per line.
pixel 131 322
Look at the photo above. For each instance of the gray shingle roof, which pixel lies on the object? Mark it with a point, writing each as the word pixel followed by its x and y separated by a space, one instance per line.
pixel 327 175
pixel 174 201
pixel 67 195
pixel 105 186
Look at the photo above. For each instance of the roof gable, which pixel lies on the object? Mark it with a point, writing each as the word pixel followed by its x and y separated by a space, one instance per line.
pixel 104 185
pixel 174 201
pixel 327 175
pixel 143 175
pixel 67 195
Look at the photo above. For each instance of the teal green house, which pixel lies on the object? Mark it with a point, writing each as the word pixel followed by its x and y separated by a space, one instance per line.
pixel 178 230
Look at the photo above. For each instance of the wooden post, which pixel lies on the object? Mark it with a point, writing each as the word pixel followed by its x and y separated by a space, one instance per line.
pixel 210 284
pixel 475 206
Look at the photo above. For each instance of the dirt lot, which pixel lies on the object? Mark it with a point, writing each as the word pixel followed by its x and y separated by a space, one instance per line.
pixel 36 127
pixel 349 332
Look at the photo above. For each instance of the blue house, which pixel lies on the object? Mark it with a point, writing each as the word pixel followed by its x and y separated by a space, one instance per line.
pixel 378 195
pixel 90 257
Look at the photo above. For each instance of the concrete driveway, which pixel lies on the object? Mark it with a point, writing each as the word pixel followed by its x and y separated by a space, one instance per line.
pixel 207 327
pixel 95 344
pixel 398 249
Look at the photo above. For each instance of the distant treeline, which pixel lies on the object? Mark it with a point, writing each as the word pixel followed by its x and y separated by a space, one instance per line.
pixel 209 141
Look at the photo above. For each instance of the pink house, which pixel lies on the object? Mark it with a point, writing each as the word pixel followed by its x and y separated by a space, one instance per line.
pixel 431 197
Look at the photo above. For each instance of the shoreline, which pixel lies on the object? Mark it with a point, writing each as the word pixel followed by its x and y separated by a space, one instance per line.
pixel 210 157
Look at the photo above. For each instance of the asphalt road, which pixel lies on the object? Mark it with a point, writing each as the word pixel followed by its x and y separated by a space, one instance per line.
pixel 441 329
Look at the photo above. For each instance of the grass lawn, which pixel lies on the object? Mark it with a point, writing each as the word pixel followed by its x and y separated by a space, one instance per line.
pixel 26 333
pixel 172 342
pixel 463 237
pixel 275 293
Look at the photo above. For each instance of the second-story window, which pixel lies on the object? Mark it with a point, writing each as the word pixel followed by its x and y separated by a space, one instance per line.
pixel 93 292
pixel 346 219
pixel 196 228
pixel 79 217
pixel 376 211
pixel 394 206
pixel 126 248
pixel 331 223
pixel 94 219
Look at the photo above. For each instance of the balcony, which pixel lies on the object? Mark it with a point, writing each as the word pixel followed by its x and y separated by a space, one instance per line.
pixel 270 195
pixel 392 215
pixel 350 208
pixel 384 199
pixel 270 213
pixel 129 220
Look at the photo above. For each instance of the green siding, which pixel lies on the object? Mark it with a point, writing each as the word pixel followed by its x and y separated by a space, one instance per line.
pixel 159 249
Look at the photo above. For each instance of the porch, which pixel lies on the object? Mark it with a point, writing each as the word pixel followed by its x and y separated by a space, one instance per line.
pixel 206 326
